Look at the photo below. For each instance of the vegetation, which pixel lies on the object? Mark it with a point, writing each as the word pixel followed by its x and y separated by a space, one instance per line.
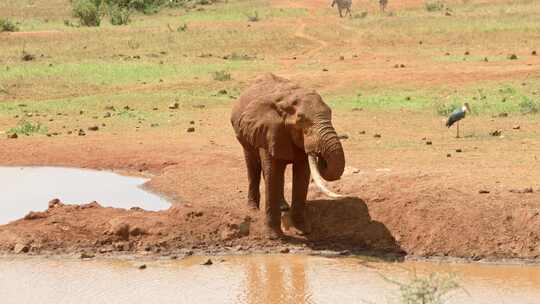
pixel 27 128
pixel 434 5
pixel 89 12
pixel 529 106
pixel 7 25
pixel 432 289
pixel 222 76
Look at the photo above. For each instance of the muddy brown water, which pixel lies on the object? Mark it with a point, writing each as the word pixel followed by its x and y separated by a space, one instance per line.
pixel 24 189
pixel 251 279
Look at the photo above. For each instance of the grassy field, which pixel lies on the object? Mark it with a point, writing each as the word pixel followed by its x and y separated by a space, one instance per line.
pixel 409 59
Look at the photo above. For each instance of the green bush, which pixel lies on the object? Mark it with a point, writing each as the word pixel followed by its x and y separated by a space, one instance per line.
pixel 7 25
pixel 119 15
pixel 222 76
pixel 529 106
pixel 432 289
pixel 434 5
pixel 89 12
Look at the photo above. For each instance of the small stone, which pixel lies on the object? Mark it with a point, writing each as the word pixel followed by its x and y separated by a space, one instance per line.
pixel 429 143
pixel 325 70
pixel 459 150
pixel 190 130
pixel 512 57
pixel 93 128
pixel 448 155
pixel 377 135
pixel 285 250
pixel 402 65
pixel 341 58
pixel 362 132
pixel 127 108
pixel 208 262
pixel 192 122
pixel 81 132
pixel 497 132
pixel 13 136
pixel 467 53
pixel 516 127
pixel 533 53
pixel 483 191
pixel 142 266
pixel 155 109
pixel 87 255
pixel 81 112
pixel 174 106
pixel 503 114
pixel 20 248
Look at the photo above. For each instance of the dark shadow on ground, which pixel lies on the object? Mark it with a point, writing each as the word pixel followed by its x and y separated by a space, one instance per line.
pixel 345 225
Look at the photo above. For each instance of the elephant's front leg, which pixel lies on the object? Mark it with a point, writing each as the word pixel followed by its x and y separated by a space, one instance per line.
pixel 253 164
pixel 301 176
pixel 274 180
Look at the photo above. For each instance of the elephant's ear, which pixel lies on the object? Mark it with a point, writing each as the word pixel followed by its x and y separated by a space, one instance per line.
pixel 263 126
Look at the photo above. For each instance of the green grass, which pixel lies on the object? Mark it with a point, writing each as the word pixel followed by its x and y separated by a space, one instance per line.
pixel 28 128
pixel 432 289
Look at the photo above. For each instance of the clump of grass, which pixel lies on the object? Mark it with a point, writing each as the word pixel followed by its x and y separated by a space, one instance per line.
pixel 254 17
pixel 7 25
pixel 445 109
pixel 27 128
pixel 529 106
pixel 362 15
pixel 182 28
pixel 434 5
pixel 222 76
pixel 89 12
pixel 433 289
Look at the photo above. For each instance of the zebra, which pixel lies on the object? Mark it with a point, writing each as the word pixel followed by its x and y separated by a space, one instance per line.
pixel 343 4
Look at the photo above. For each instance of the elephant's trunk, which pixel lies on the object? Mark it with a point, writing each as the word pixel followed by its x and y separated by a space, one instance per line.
pixel 331 159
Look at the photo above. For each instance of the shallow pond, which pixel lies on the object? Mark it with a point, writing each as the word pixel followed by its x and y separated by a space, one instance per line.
pixel 252 279
pixel 24 189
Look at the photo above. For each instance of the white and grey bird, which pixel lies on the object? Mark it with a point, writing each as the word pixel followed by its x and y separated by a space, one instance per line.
pixel 458 115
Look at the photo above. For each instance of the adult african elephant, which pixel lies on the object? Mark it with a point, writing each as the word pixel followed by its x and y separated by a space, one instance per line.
pixel 278 123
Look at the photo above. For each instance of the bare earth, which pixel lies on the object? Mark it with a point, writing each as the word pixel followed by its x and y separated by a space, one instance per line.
pixel 416 200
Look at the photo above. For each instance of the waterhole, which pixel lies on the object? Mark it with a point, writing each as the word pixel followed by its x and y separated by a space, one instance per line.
pixel 25 189
pixel 253 279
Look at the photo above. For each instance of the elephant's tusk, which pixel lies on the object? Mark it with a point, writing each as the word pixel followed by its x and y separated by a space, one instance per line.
pixel 318 179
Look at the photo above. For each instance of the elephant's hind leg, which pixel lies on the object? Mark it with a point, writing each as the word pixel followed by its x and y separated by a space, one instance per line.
pixel 253 164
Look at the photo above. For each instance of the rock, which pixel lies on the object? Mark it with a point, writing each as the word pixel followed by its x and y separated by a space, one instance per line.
pixel 142 266
pixel 459 150
pixel 107 115
pixel 533 53
pixel 121 230
pixel 429 143
pixel 503 114
pixel 325 70
pixel 13 136
pixel 467 53
pixel 192 122
pixel 376 135
pixel 20 248
pixel 497 132
pixel 341 58
pixel 208 262
pixel 81 132
pixel 174 106
pixel 87 255
pixel 55 203
pixel 448 155
pixel 136 231
pixel 27 56
pixel 402 65
pixel 93 128
pixel 32 215
pixel 190 129
pixel 483 191
pixel 127 108
pixel 516 127
pixel 285 250
pixel 362 132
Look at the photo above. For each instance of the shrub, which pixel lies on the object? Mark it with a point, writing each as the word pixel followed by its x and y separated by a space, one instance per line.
pixel 27 128
pixel 434 5
pixel 528 106
pixel 433 289
pixel 119 15
pixel 182 28
pixel 222 76
pixel 89 12
pixel 7 25
pixel 146 7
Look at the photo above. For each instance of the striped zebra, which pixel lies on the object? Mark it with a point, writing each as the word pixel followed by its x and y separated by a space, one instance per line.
pixel 343 5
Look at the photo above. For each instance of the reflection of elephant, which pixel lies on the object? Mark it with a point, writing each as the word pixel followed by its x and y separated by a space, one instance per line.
pixel 278 123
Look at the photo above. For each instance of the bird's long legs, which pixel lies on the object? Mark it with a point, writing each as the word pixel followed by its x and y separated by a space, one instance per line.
pixel 457 128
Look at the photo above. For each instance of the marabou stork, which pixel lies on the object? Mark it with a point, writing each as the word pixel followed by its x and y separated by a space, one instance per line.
pixel 458 115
